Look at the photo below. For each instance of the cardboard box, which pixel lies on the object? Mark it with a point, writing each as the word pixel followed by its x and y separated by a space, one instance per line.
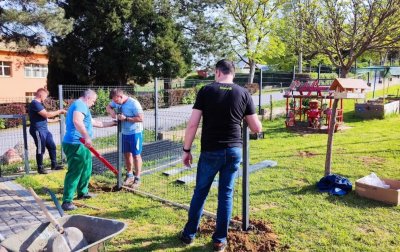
pixel 390 196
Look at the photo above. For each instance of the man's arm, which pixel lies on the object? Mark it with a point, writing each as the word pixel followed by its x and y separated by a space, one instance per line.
pixel 138 118
pixel 190 134
pixel 100 124
pixel 80 126
pixel 47 114
pixel 110 111
pixel 253 122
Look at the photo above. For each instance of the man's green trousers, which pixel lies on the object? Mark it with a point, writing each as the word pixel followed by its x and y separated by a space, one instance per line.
pixel 79 171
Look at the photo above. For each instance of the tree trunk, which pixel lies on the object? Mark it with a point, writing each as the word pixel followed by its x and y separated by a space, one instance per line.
pixel 252 66
pixel 343 72
pixel 332 124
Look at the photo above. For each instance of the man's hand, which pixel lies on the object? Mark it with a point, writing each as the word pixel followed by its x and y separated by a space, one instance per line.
pixel 62 112
pixel 88 142
pixel 187 159
pixel 121 117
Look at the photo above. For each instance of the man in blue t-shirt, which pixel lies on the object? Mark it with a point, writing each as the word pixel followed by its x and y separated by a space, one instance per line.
pixel 130 113
pixel 38 116
pixel 79 124
pixel 223 106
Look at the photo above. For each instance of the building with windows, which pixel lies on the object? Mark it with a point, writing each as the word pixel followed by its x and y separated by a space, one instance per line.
pixel 22 72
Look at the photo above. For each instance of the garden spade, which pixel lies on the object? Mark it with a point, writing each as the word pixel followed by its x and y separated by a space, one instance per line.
pixel 65 239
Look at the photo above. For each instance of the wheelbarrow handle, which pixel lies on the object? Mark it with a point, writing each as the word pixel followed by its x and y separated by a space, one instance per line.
pixel 100 157
pixel 46 212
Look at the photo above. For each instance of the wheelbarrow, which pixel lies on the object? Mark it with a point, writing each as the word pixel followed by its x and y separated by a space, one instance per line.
pixel 97 232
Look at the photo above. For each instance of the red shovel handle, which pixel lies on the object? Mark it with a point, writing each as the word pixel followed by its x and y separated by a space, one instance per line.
pixel 100 157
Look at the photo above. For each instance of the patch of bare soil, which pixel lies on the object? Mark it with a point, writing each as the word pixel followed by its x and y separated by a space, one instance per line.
pixel 98 187
pixel 306 154
pixel 371 160
pixel 258 238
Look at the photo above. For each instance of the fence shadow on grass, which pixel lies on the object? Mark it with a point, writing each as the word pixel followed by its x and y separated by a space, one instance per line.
pixel 355 201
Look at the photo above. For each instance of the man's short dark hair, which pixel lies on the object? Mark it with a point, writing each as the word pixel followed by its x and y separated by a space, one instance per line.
pixel 41 90
pixel 225 66
pixel 115 92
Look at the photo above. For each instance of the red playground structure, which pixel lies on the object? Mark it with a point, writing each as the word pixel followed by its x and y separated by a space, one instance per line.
pixel 310 105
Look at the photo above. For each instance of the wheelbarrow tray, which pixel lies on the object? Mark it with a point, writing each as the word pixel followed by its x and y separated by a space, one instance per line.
pixel 96 231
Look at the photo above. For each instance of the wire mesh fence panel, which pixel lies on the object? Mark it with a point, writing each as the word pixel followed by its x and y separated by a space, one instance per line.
pixel 163 174
pixel 12 149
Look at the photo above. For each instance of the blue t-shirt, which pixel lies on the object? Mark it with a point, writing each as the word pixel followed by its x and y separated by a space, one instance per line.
pixel 38 122
pixel 72 135
pixel 130 108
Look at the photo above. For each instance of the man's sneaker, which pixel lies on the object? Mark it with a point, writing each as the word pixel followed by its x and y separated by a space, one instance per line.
pixel 42 171
pixel 57 167
pixel 86 196
pixel 129 181
pixel 68 206
pixel 219 246
pixel 185 240
pixel 136 182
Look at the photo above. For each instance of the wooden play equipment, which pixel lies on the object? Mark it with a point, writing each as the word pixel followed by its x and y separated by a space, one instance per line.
pixel 310 105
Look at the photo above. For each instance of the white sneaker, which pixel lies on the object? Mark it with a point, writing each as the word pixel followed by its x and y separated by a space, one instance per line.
pixel 129 181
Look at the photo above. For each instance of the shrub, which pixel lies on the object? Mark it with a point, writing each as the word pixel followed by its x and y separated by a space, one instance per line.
pixel 51 104
pixel 189 97
pixel 2 123
pixel 146 100
pixel 99 108
pixel 13 109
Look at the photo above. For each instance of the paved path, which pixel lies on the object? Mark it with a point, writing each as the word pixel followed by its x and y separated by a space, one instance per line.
pixel 18 209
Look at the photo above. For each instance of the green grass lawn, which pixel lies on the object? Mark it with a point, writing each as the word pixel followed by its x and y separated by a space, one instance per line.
pixel 285 196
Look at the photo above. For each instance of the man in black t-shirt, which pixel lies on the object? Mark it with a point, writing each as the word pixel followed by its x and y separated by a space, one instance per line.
pixel 43 138
pixel 223 106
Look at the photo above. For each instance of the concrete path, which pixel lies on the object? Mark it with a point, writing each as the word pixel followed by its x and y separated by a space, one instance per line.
pixel 18 209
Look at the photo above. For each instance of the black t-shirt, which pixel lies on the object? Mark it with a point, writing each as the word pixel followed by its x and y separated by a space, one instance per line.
pixel 38 122
pixel 223 107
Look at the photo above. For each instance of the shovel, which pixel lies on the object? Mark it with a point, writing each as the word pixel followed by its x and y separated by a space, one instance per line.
pixel 65 239
pixel 100 157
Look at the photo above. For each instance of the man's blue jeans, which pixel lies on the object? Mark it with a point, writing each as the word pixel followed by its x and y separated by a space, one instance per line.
pixel 226 162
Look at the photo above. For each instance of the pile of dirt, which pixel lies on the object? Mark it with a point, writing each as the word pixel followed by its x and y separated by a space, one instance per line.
pixel 306 154
pixel 259 237
pixel 98 187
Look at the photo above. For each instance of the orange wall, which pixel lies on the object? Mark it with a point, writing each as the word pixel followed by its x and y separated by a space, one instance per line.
pixel 14 87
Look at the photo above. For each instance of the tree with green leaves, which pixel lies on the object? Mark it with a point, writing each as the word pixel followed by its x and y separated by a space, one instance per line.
pixel 248 25
pixel 344 30
pixel 32 22
pixel 115 42
pixel 203 29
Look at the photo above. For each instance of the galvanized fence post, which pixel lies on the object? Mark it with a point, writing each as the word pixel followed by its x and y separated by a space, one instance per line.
pixel 26 153
pixel 119 150
pixel 62 120
pixel 245 180
pixel 260 92
pixel 155 109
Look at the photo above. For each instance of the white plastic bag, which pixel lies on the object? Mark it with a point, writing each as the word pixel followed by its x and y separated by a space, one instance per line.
pixel 374 180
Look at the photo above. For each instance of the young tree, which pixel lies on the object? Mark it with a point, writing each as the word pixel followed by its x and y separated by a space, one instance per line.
pixel 32 21
pixel 248 24
pixel 344 30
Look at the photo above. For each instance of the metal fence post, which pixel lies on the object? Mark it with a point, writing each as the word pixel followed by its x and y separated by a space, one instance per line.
pixel 155 109
pixel 62 120
pixel 260 93
pixel 245 181
pixel 119 150
pixel 26 153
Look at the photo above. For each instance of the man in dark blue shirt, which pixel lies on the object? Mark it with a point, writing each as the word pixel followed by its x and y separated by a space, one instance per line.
pixel 43 138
